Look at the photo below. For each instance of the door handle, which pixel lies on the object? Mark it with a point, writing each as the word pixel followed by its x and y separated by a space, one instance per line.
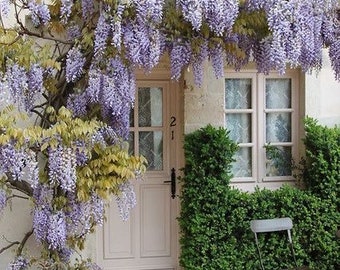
pixel 173 183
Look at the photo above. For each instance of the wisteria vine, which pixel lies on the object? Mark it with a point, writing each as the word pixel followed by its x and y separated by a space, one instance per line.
pixel 86 62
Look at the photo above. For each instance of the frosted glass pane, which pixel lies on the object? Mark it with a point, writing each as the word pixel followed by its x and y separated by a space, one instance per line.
pixel 278 127
pixel 279 163
pixel 278 93
pixel 242 165
pixel 132 117
pixel 150 107
pixel 238 93
pixel 131 140
pixel 151 147
pixel 239 125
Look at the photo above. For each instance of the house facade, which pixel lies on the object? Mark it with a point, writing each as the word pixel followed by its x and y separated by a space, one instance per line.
pixel 258 109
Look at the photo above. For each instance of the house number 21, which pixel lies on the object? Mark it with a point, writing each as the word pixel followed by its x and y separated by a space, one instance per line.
pixel 172 124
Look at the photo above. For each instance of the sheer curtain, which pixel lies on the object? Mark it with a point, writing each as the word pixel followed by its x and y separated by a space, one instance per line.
pixel 238 122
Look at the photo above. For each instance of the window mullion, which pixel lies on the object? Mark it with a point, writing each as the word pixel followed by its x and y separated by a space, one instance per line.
pixel 261 124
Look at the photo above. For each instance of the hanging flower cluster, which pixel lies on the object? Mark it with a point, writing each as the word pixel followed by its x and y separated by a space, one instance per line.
pixel 82 54
pixel 76 175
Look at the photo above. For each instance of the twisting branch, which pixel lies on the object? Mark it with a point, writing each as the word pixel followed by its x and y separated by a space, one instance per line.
pixel 21 186
pixel 25 31
pixel 10 43
pixel 23 242
pixel 9 246
pixel 17 196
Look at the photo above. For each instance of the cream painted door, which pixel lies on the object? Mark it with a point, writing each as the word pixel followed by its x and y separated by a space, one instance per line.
pixel 149 239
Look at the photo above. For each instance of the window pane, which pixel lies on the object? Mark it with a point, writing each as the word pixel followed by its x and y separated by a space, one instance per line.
pixel 151 147
pixel 278 93
pixel 131 141
pixel 239 125
pixel 278 127
pixel 150 107
pixel 132 117
pixel 279 161
pixel 242 165
pixel 238 94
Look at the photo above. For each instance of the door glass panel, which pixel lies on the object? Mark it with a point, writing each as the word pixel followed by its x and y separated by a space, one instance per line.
pixel 150 107
pixel 242 165
pixel 239 125
pixel 278 127
pixel 131 141
pixel 151 147
pixel 278 93
pixel 238 93
pixel 278 161
pixel 132 117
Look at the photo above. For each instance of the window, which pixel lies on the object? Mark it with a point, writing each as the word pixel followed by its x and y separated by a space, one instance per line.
pixel 262 110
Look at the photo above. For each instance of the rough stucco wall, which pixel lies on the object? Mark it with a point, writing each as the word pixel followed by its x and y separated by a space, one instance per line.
pixel 15 222
pixel 323 94
pixel 203 105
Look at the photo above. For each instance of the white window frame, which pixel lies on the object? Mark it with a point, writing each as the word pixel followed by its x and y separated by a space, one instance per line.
pixel 258 122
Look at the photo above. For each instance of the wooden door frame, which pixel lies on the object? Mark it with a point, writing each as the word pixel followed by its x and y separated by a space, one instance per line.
pixel 176 100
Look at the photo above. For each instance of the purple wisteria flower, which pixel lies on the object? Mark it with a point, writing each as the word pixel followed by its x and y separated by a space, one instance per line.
pixel 116 26
pixel 35 86
pixel 4 7
pixel 97 209
pixel 56 233
pixel 17 82
pixel 43 196
pixel 143 44
pixel 73 32
pixel 35 79
pixel 217 55
pixel 40 13
pixel 180 55
pixel 41 220
pixel 24 86
pixel 114 90
pixel 77 103
pixel 92 266
pixel 101 34
pixel 13 161
pixel 76 215
pixel 62 167
pixel 65 254
pixel 74 64
pixel 192 12
pixel 197 63
pixel 259 4
pixel 149 11
pixel 126 199
pixel 81 216
pixel 65 10
pixel 87 8
pixel 334 52
pixel 19 263
pixel 262 57
pixel 220 14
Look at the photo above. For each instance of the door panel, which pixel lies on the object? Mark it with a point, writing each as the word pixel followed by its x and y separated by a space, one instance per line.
pixel 155 221
pixel 148 240
pixel 119 235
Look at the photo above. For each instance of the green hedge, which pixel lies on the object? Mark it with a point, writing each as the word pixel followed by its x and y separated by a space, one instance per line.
pixel 214 220
pixel 322 165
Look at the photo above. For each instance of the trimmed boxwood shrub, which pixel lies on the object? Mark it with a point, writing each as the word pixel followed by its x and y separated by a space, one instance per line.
pixel 205 191
pixel 214 220
pixel 321 170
